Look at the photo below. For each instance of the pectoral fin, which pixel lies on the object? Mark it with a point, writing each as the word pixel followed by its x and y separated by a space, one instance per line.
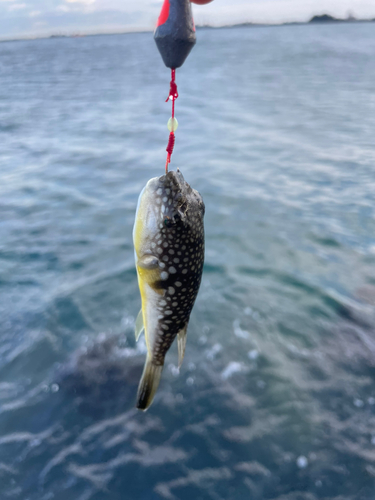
pixel 148 262
pixel 181 343
pixel 139 327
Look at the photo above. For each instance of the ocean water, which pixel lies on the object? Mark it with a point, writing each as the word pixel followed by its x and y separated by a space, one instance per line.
pixel 276 396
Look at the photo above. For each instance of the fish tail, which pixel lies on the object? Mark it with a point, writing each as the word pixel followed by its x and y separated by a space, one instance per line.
pixel 148 384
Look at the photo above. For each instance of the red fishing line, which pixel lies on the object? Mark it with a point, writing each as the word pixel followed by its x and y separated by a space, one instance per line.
pixel 173 94
pixel 170 146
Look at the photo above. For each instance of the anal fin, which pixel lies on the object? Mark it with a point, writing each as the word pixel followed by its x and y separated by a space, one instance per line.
pixel 181 344
pixel 139 326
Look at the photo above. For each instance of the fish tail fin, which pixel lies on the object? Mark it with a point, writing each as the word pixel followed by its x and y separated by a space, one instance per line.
pixel 148 384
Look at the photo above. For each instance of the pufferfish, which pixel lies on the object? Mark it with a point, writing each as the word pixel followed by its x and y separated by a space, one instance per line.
pixel 169 253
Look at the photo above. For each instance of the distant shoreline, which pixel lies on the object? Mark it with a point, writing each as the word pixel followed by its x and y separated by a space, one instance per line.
pixel 318 19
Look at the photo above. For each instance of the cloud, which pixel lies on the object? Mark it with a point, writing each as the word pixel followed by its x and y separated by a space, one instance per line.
pixel 85 2
pixel 17 6
pixel 72 22
pixel 222 12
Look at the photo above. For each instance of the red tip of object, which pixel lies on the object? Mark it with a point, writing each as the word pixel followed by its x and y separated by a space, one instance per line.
pixel 164 14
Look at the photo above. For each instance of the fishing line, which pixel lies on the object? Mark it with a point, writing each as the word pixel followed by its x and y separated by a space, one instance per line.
pixel 175 37
pixel 172 122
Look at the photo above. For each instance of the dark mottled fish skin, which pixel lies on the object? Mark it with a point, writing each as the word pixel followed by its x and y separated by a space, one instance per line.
pixel 175 249
pixel 179 245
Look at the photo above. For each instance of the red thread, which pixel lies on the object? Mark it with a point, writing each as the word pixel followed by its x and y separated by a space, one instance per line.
pixel 169 149
pixel 167 163
pixel 173 87
pixel 173 94
pixel 171 143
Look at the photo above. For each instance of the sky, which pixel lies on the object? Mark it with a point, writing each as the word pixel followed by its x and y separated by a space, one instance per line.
pixel 24 18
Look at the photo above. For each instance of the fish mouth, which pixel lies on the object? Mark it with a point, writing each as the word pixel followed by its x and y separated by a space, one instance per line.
pixel 175 179
pixel 180 189
pixel 173 195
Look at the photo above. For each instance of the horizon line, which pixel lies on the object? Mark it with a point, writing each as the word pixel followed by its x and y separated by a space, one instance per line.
pixel 75 34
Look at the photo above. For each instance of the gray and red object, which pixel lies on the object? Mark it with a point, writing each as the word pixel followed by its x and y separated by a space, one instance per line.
pixel 175 37
pixel 175 32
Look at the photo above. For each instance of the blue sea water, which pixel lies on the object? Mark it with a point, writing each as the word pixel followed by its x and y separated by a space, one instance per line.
pixel 276 397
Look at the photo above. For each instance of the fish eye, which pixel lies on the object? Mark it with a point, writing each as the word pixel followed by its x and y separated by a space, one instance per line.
pixel 168 222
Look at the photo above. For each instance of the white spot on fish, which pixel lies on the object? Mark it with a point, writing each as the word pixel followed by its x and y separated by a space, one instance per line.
pixel 171 290
pixel 172 270
pixel 164 275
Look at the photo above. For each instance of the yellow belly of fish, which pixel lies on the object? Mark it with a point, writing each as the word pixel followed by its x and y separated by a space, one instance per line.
pixel 146 281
